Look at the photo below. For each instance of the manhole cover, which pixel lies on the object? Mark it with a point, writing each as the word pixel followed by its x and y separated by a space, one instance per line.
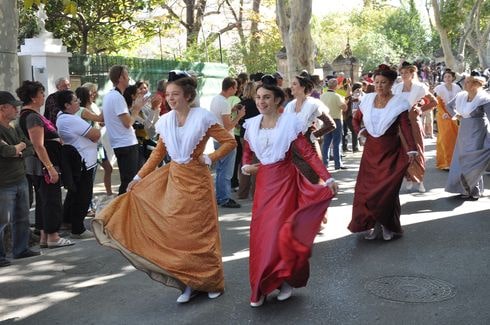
pixel 411 289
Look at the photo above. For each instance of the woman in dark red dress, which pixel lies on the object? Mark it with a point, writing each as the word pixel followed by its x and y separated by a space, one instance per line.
pixel 287 209
pixel 384 161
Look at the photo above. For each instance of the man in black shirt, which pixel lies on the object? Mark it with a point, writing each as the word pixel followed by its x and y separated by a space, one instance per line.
pixel 14 194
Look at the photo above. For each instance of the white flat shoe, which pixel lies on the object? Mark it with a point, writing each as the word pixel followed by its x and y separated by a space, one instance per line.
pixel 387 234
pixel 409 185
pixel 186 296
pixel 258 303
pixel 373 233
pixel 214 295
pixel 421 187
pixel 285 293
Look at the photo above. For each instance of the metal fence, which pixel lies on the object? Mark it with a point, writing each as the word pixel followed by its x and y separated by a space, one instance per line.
pixel 95 69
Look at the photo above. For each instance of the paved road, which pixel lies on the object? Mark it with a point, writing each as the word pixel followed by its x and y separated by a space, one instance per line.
pixel 437 273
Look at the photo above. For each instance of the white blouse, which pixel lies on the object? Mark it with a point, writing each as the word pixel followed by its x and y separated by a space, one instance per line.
pixel 310 110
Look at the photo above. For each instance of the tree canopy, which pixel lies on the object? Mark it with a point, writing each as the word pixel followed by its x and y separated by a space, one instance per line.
pixel 250 38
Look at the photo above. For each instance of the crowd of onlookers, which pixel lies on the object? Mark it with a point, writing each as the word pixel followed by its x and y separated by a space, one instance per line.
pixel 62 145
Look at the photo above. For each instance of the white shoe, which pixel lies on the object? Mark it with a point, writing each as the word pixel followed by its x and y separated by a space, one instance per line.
pixel 187 295
pixel 373 233
pixel 285 293
pixel 409 185
pixel 214 295
pixel 258 303
pixel 421 187
pixel 84 235
pixel 387 234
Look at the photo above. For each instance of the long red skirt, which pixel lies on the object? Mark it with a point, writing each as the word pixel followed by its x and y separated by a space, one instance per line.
pixel 384 162
pixel 286 216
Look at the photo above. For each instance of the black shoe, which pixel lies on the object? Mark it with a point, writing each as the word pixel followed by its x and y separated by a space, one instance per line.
pixel 342 167
pixel 4 263
pixel 231 204
pixel 27 253
pixel 355 150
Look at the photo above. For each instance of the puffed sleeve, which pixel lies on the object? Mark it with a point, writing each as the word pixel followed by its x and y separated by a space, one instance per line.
pixel 154 160
pixel 227 141
pixel 357 121
pixel 407 131
pixel 303 146
pixel 328 125
pixel 247 154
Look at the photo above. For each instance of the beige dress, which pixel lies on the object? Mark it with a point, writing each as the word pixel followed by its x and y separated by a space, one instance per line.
pixel 167 226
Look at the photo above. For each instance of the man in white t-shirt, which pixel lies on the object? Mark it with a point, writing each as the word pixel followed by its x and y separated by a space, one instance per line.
pixel 119 124
pixel 224 167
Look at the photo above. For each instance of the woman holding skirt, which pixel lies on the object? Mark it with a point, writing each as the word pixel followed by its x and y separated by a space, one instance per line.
pixel 472 151
pixel 447 128
pixel 287 208
pixel 167 223
pixel 384 160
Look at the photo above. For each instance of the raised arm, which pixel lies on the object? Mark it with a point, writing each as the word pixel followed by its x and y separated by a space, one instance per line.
pixel 226 140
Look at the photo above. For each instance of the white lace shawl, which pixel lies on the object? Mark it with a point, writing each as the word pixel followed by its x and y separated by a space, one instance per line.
pixel 417 92
pixel 182 141
pixel 465 108
pixel 446 95
pixel 395 106
pixel 310 110
pixel 284 133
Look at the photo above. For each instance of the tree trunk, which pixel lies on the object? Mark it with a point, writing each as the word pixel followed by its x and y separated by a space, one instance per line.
pixel 9 29
pixel 293 18
pixel 449 58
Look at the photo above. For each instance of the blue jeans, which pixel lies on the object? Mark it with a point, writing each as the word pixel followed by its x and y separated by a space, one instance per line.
pixel 224 173
pixel 336 137
pixel 14 209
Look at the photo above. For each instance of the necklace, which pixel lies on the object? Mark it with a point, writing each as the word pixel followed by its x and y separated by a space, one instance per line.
pixel 380 102
pixel 299 105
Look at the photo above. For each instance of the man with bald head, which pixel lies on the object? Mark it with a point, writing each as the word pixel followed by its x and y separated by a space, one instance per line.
pixel 50 108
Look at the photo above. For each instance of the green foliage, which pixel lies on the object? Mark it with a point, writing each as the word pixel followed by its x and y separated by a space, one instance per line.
pixel 93 26
pixel 404 29
pixel 330 36
pixel 372 49
pixel 27 24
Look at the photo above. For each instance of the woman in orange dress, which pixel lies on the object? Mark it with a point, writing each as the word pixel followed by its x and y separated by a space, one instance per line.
pixel 167 223
pixel 447 128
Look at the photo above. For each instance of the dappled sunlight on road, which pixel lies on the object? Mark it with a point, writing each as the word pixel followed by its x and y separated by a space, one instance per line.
pixel 66 272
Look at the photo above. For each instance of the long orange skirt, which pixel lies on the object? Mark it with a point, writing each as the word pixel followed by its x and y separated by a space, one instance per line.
pixel 167 226
pixel 447 132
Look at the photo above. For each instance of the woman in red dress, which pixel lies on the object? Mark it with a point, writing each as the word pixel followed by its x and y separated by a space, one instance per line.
pixel 287 209
pixel 384 160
